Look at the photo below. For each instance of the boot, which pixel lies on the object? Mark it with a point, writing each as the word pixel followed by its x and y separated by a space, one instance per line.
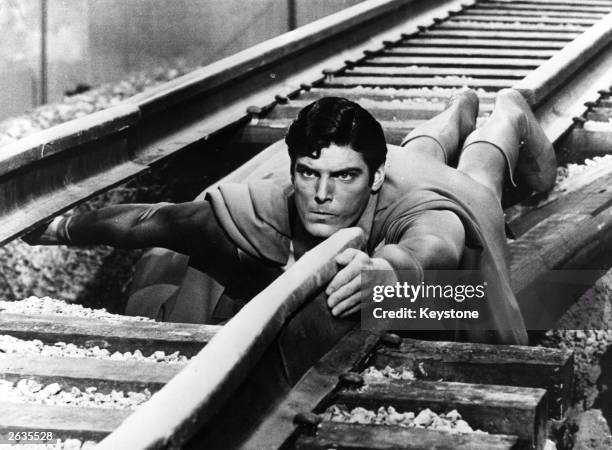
pixel 528 152
pixel 463 102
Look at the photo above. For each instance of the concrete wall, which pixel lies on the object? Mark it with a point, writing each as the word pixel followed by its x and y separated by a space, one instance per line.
pixel 98 41
pixel 19 55
pixel 310 10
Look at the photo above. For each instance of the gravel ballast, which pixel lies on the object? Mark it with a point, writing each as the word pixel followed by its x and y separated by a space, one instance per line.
pixel 450 422
pixel 374 375
pixel 31 391
pixel 50 306
pixel 68 444
pixel 16 346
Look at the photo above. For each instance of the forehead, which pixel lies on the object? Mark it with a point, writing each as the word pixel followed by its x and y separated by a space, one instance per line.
pixel 335 158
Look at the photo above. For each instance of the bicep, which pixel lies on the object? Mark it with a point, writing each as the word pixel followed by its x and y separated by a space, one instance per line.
pixel 434 239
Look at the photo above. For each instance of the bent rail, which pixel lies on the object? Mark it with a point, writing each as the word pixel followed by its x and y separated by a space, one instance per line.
pixel 202 388
pixel 43 178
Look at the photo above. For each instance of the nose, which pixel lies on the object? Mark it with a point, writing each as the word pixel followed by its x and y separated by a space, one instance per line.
pixel 324 190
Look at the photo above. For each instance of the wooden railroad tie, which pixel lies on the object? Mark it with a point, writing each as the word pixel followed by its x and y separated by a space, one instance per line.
pixel 104 374
pixel 506 391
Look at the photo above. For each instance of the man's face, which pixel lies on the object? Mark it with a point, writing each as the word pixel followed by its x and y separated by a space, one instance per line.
pixel 332 191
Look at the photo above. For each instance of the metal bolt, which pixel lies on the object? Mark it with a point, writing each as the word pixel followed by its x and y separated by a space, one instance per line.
pixel 309 421
pixel 351 380
pixel 390 340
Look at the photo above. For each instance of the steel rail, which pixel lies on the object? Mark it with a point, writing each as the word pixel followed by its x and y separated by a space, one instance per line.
pixel 49 172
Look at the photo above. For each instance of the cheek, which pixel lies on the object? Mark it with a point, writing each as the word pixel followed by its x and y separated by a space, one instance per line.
pixel 354 199
pixel 301 192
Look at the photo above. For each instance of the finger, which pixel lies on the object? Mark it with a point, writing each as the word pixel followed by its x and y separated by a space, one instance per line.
pixel 344 291
pixel 346 256
pixel 347 304
pixel 349 272
pixel 352 310
pixel 343 277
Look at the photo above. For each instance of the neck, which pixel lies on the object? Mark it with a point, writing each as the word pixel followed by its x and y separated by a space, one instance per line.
pixel 302 239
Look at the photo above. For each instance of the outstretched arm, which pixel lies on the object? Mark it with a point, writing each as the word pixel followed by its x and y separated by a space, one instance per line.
pixel 179 227
pixel 434 240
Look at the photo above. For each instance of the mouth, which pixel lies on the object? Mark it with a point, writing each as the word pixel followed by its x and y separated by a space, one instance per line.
pixel 321 213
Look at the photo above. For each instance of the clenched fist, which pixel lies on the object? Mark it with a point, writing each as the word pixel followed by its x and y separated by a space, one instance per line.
pixel 345 290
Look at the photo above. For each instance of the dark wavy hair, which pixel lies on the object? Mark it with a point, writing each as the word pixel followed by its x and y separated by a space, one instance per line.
pixel 335 120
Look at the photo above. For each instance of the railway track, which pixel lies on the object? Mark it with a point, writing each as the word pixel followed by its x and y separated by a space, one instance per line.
pixel 400 60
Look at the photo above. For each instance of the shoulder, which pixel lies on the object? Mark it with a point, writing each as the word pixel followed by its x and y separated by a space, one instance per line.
pixel 258 201
pixel 407 171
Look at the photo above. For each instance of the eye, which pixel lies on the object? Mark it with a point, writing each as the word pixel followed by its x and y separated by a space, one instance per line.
pixel 345 176
pixel 306 172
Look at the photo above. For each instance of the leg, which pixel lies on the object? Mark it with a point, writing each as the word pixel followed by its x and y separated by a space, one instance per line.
pixel 166 288
pixel 442 135
pixel 483 161
pixel 510 139
pixel 157 276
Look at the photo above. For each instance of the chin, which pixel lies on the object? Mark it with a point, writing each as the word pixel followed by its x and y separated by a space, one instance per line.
pixel 321 230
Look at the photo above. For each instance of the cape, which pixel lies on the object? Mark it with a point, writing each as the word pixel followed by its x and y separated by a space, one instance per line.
pixel 256 217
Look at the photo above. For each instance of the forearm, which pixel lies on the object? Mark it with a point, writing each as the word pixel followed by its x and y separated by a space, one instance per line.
pixel 124 226
pixel 406 266
pixel 433 241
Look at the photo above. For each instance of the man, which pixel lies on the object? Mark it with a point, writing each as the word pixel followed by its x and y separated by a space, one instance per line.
pixel 417 212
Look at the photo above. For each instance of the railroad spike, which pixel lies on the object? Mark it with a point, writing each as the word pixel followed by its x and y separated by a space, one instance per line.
pixel 351 380
pixel 590 104
pixel 579 121
pixel 438 20
pixel 306 86
pixel 388 44
pixel 409 35
pixel 350 64
pixel 308 420
pixel 255 111
pixel 391 340
pixel 329 73
pixel 369 53
pixel 604 92
pixel 281 99
pixel 422 28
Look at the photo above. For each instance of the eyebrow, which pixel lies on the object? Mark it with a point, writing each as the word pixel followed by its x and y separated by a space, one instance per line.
pixel 354 170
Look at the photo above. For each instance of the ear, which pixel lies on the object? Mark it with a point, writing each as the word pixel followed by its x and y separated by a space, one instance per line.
pixel 379 178
pixel 292 173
